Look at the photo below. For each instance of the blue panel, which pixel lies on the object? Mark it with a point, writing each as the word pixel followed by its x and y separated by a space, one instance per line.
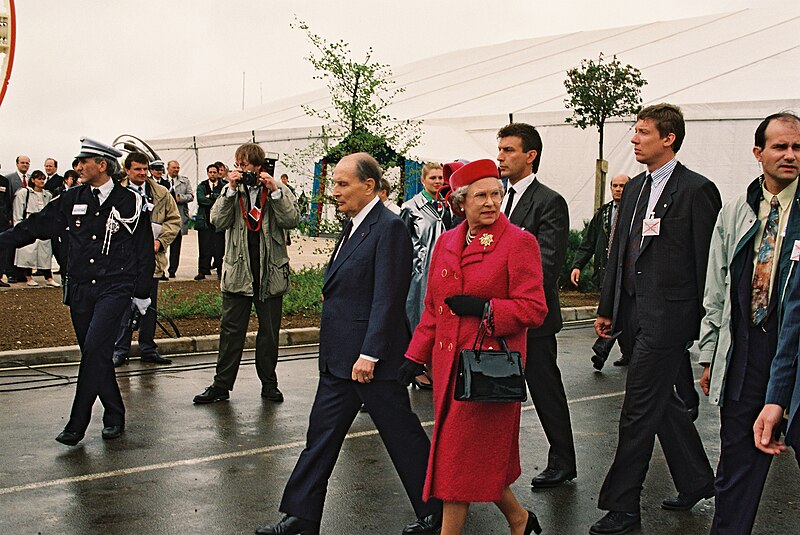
pixel 412 186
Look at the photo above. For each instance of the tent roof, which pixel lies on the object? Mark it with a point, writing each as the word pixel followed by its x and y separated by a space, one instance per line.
pixel 742 56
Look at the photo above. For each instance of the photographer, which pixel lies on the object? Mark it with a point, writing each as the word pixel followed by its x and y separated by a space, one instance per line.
pixel 255 211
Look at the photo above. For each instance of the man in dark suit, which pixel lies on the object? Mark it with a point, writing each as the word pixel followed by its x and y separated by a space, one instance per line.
pixel 654 290
pixel 6 204
pixel 595 243
pixel 363 336
pixel 531 205
pixel 54 182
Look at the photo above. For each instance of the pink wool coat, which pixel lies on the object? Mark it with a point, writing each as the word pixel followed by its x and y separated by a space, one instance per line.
pixel 475 446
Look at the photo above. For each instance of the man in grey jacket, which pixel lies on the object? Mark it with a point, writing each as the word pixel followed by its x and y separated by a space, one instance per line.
pixel 181 190
pixel 749 267
pixel 255 270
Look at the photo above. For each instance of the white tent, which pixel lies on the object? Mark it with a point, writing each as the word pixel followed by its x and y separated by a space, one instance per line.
pixel 727 72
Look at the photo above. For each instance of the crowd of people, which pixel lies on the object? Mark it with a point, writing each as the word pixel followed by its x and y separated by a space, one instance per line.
pixel 471 263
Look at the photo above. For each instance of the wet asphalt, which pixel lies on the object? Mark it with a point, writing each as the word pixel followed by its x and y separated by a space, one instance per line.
pixel 181 468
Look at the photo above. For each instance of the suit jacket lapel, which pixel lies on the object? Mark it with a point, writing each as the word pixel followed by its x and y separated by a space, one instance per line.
pixel 626 216
pixel 354 241
pixel 664 201
pixel 525 204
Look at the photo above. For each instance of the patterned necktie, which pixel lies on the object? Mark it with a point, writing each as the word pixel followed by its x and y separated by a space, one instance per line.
pixel 763 269
pixel 348 228
pixel 510 201
pixel 613 230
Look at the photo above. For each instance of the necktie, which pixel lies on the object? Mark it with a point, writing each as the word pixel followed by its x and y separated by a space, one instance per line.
pixel 510 201
pixel 96 193
pixel 635 238
pixel 613 230
pixel 763 269
pixel 348 228
pixel 25 180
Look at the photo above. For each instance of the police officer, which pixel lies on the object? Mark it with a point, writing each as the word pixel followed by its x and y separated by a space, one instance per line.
pixel 110 262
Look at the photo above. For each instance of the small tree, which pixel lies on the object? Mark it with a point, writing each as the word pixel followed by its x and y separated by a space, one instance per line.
pixel 597 92
pixel 357 120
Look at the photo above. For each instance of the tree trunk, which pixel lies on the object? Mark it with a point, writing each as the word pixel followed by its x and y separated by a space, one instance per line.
pixel 600 171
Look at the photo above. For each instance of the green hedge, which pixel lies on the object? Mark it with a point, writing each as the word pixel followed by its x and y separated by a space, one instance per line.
pixel 303 299
pixel 586 284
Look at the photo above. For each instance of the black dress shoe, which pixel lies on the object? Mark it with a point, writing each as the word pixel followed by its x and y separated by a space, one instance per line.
pixel 119 360
pixel 422 386
pixel 199 277
pixel 112 431
pixel 598 362
pixel 70 438
pixel 155 359
pixel 684 502
pixel 171 275
pixel 163 278
pixel 427 524
pixel 552 477
pixel 290 525
pixel 533 525
pixel 272 394
pixel 211 395
pixel 622 361
pixel 616 522
pixel 4 285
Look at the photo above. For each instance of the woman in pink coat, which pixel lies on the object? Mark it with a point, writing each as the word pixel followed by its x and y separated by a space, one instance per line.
pixel 475 446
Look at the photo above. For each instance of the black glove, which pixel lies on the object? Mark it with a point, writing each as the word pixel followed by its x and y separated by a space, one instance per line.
pixel 408 370
pixel 466 305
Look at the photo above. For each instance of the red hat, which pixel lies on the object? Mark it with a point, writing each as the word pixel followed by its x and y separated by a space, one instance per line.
pixel 473 171
pixel 447 171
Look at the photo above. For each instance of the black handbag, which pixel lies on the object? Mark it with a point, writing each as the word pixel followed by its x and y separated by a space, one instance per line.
pixel 488 375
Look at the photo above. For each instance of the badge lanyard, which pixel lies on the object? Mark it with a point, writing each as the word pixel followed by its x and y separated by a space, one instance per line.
pixel 260 212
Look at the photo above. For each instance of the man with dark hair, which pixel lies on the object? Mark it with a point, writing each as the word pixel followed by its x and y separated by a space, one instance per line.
pixel 211 240
pixel 285 182
pixel 110 262
pixel 363 336
pixel 531 205
pixel 750 263
pixel 653 291
pixel 181 190
pixel 255 219
pixel 166 223
pixel 595 244
pixel 54 182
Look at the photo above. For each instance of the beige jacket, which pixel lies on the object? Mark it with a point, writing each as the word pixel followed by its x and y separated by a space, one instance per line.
pixel 165 213
pixel 281 215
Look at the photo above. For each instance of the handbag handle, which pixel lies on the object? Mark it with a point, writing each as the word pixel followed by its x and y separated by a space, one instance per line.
pixel 481 335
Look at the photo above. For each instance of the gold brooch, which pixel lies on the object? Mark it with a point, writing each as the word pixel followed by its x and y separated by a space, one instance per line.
pixel 486 240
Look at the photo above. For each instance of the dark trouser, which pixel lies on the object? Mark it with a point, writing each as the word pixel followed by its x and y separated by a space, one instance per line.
pixel 652 408
pixel 6 261
pixel 232 334
pixel 212 245
pixel 147 329
pixel 175 254
pixel 96 310
pixel 46 273
pixel 550 400
pixel 602 347
pixel 336 405
pixel 742 468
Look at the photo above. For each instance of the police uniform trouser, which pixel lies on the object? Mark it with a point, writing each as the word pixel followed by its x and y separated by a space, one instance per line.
pixel 147 329
pixel 96 311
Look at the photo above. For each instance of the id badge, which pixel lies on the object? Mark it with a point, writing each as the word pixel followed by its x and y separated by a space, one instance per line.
pixel 79 209
pixel 255 213
pixel 651 226
pixel 796 251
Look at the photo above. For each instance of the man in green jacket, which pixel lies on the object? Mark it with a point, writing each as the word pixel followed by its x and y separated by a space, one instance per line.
pixel 255 269
pixel 750 265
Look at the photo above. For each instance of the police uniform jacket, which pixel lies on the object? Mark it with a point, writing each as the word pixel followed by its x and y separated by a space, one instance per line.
pixel 76 216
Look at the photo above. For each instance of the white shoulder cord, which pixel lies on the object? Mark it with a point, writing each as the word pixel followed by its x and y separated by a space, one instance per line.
pixel 114 220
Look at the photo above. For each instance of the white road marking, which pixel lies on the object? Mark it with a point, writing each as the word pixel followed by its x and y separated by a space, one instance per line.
pixel 222 456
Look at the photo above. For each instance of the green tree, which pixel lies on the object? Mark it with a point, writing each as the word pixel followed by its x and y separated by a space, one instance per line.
pixel 597 92
pixel 357 120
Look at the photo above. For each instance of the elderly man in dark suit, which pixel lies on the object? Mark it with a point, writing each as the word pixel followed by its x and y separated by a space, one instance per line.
pixel 654 290
pixel 534 207
pixel 363 336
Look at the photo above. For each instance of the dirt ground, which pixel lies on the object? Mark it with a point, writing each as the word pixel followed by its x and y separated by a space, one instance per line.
pixel 35 317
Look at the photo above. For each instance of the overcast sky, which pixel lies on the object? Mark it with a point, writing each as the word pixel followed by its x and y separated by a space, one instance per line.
pixel 101 68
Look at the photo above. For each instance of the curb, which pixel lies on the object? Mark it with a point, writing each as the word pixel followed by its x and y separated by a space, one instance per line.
pixel 203 344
